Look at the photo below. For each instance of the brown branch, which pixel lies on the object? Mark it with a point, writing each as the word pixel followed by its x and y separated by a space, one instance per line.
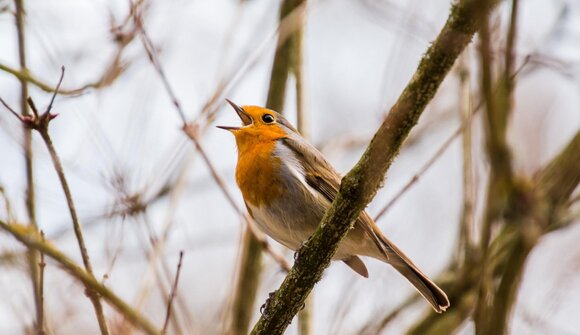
pixel 153 57
pixel 40 123
pixel 558 180
pixel 438 153
pixel 172 295
pixel 466 123
pixel 32 239
pixel 193 132
pixel 502 190
pixel 465 245
pixel 296 66
pixel 509 250
pixel 360 185
pixel 247 283
pixel 41 265
pixel 115 68
pixel 32 256
pixel 555 184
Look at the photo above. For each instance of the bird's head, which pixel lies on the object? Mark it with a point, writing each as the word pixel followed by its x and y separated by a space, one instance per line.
pixel 258 125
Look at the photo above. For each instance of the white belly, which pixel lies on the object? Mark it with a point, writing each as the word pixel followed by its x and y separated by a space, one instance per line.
pixel 287 229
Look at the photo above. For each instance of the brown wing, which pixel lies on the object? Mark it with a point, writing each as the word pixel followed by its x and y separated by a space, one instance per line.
pixel 322 177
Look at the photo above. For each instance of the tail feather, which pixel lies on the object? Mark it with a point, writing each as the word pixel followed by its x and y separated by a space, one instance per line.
pixel 431 292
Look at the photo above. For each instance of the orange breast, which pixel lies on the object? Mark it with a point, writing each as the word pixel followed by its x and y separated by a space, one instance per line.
pixel 258 173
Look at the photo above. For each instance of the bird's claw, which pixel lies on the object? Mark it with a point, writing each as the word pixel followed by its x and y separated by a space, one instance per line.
pixel 297 252
pixel 265 306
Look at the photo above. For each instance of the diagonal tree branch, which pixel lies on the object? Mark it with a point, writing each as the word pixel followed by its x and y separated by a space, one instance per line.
pixel 31 238
pixel 360 185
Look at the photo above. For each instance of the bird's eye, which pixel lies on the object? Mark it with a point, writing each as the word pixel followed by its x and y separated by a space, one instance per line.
pixel 268 118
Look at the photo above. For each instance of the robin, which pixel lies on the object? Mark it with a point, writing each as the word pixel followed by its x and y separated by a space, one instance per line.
pixel 288 185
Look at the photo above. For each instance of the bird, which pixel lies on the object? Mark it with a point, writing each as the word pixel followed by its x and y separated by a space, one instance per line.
pixel 287 186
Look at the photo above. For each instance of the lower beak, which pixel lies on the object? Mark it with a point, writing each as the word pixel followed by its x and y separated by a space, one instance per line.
pixel 228 128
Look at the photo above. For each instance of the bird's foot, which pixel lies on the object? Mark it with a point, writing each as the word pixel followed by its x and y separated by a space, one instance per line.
pixel 265 306
pixel 297 252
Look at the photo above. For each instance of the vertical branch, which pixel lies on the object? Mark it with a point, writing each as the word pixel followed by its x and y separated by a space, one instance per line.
pixel 288 36
pixel 501 190
pixel 464 251
pixel 41 266
pixel 297 68
pixel 32 255
pixel 172 295
pixel 251 255
pixel 486 281
pixel 250 266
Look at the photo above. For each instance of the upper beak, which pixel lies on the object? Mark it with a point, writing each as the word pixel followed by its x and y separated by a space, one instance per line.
pixel 245 117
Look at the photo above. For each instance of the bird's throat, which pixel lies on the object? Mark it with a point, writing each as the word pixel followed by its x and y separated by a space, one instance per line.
pixel 258 172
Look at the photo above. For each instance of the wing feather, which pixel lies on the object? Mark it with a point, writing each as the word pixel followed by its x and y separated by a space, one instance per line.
pixel 322 177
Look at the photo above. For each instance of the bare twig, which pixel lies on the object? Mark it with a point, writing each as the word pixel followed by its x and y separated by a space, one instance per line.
pixel 464 245
pixel 28 158
pixel 501 184
pixel 41 266
pixel 285 29
pixel 378 326
pixel 115 68
pixel 150 49
pixel 40 122
pixel 173 294
pixel 422 170
pixel 192 133
pixel 466 122
pixel 192 130
pixel 32 239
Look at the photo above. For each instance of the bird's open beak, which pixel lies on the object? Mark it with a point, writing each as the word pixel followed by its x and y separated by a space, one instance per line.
pixel 245 117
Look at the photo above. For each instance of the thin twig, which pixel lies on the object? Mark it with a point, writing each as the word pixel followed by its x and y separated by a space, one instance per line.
pixel 28 158
pixel 192 130
pixel 422 170
pixel 18 116
pixel 173 293
pixel 31 238
pixel 153 57
pixel 283 31
pixel 116 66
pixel 464 246
pixel 438 153
pixel 41 266
pixel 501 186
pixel 40 123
